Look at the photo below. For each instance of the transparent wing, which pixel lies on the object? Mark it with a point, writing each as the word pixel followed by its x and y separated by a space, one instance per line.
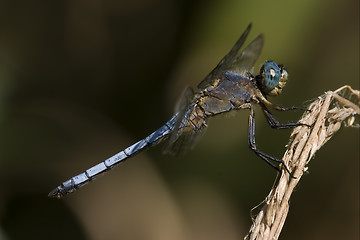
pixel 182 138
pixel 246 59
pixel 236 60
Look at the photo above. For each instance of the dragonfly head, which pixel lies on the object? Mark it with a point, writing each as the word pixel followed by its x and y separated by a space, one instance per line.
pixel 272 78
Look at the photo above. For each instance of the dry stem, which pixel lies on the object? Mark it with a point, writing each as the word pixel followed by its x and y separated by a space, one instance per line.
pixel 327 114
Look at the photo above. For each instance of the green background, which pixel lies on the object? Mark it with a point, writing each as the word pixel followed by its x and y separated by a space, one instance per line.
pixel 82 80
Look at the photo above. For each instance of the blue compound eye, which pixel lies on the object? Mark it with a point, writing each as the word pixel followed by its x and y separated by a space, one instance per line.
pixel 271 75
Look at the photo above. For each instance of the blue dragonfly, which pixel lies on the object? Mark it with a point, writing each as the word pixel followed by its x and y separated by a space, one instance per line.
pixel 229 86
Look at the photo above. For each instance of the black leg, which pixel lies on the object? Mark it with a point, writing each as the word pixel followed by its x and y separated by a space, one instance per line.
pixel 252 144
pixel 275 124
pixel 281 108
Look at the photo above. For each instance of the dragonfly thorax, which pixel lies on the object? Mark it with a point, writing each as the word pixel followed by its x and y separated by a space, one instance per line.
pixel 272 78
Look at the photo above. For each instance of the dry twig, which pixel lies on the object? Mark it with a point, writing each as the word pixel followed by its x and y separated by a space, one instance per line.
pixel 327 114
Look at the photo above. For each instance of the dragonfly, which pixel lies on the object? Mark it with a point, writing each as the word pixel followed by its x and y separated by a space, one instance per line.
pixel 229 86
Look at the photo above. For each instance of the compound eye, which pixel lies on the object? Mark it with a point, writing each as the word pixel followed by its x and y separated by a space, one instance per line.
pixel 271 74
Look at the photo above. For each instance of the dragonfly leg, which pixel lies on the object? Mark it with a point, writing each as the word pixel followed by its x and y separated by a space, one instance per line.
pixel 281 108
pixel 264 102
pixel 275 124
pixel 252 144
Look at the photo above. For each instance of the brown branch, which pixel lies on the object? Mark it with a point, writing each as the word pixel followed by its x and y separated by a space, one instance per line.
pixel 327 114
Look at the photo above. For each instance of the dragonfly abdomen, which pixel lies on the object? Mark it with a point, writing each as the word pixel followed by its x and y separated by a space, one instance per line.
pixel 90 174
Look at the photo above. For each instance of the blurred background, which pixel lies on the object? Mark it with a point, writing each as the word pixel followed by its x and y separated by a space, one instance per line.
pixel 82 80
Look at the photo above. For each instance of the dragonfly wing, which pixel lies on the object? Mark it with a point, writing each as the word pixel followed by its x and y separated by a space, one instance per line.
pixel 182 138
pixel 225 60
pixel 245 61
pixel 183 142
pixel 236 60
